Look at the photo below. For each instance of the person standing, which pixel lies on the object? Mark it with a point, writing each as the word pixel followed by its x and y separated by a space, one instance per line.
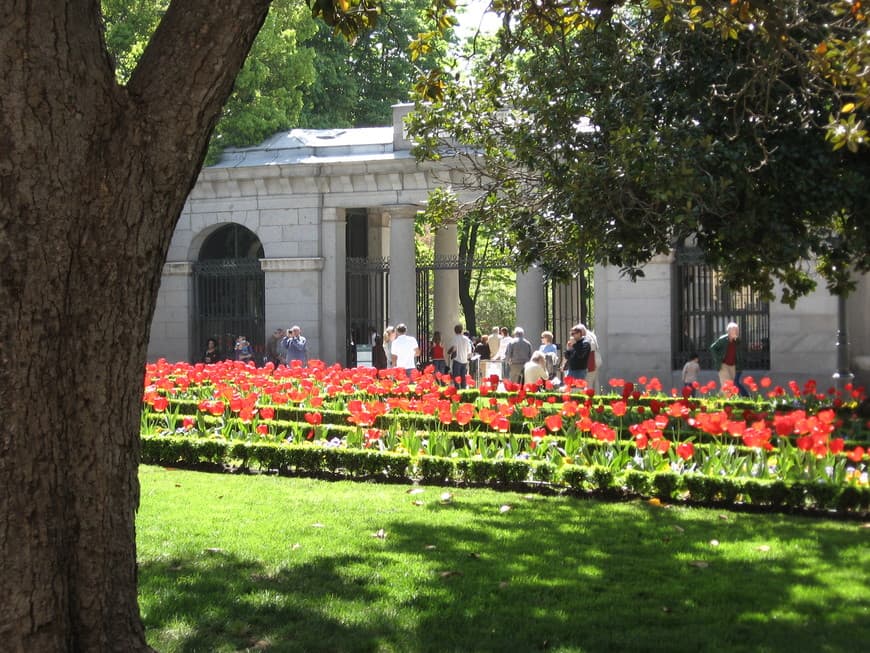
pixel 691 370
pixel 577 350
pixel 727 352
pixel 481 349
pixel 459 351
pixel 494 342
pixel 547 344
pixel 404 350
pixel 517 354
pixel 389 336
pixel 243 350
pixel 436 350
pixel 297 346
pixel 379 354
pixel 551 353
pixel 593 362
pixel 272 347
pixel 212 353
pixel 504 340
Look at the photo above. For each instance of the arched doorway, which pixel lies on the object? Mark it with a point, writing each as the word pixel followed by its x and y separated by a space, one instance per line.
pixel 229 291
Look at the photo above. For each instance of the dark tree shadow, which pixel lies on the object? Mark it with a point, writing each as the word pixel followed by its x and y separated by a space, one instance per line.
pixel 232 604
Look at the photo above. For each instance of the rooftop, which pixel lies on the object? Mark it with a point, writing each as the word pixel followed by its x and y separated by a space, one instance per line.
pixel 315 146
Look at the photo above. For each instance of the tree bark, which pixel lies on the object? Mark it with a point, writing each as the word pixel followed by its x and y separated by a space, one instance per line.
pixel 467 249
pixel 93 177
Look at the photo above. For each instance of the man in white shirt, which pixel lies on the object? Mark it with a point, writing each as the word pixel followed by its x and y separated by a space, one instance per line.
pixel 404 350
pixel 494 343
pixel 460 350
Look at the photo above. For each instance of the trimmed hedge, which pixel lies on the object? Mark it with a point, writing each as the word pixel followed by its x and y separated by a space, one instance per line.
pixel 337 462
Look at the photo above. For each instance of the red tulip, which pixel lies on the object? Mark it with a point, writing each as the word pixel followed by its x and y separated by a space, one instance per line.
pixel 685 450
pixel 661 445
pixel 618 408
pixel 553 422
pixel 314 418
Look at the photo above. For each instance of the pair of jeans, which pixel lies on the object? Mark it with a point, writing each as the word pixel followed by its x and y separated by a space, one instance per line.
pixel 459 370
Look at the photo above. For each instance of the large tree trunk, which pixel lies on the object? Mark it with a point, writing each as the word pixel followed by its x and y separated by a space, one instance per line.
pixel 93 177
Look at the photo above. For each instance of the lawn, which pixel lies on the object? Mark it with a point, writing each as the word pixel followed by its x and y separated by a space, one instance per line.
pixel 233 562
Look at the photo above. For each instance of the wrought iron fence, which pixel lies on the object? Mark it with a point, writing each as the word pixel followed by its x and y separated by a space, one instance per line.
pixel 368 296
pixel 703 305
pixel 569 302
pixel 229 300
pixel 426 288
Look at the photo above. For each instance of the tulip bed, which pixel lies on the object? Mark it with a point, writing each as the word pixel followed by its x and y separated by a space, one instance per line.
pixel 785 448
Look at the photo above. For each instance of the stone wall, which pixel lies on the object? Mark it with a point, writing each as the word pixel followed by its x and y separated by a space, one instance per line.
pixel 633 325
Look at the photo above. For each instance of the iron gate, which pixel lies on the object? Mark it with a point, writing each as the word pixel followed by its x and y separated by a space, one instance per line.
pixel 703 305
pixel 229 299
pixel 426 289
pixel 367 286
pixel 569 302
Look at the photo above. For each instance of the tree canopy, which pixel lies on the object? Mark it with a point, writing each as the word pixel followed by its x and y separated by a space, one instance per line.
pixel 611 134
pixel 356 81
pixel 268 91
pixel 297 73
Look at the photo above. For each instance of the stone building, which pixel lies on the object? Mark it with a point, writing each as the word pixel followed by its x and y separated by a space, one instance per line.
pixel 316 228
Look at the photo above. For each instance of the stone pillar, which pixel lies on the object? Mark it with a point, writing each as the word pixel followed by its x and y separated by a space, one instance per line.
pixel 171 326
pixel 400 138
pixel 530 304
pixel 858 314
pixel 293 296
pixel 446 283
pixel 403 268
pixel 601 323
pixel 378 234
pixel 333 307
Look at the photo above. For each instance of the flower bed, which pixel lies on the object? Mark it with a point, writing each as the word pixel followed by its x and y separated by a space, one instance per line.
pixel 786 448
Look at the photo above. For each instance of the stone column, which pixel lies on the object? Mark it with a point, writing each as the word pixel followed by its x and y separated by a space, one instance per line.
pixel 378 234
pixel 530 304
pixel 858 314
pixel 403 268
pixel 293 296
pixel 446 283
pixel 333 307
pixel 171 326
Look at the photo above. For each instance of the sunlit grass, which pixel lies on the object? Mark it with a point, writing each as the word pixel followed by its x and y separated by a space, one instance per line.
pixel 230 563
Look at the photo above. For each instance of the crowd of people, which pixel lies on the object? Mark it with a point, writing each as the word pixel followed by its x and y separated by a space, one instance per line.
pixel 521 362
pixel 282 348
pixel 461 355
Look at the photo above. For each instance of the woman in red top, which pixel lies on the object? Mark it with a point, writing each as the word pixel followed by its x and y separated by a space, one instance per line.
pixel 436 350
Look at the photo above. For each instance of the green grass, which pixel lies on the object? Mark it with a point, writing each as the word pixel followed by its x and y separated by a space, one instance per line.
pixel 230 563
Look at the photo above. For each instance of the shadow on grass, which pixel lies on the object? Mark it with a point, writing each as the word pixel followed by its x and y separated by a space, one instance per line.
pixel 218 602
pixel 541 576
pixel 586 576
